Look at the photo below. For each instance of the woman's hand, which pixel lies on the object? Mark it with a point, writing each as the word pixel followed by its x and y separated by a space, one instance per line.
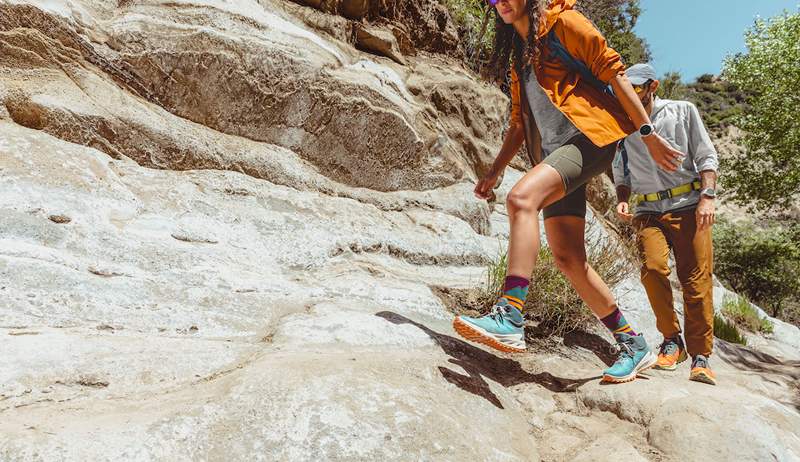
pixel 663 153
pixel 484 188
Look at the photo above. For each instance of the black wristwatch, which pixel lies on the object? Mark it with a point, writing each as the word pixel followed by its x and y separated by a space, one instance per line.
pixel 647 130
pixel 709 192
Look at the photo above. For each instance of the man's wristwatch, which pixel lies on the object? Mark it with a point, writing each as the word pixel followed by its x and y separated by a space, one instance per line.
pixel 709 192
pixel 647 130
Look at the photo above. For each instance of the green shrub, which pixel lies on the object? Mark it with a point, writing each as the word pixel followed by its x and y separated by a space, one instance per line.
pixel 727 331
pixel 552 301
pixel 763 263
pixel 616 19
pixel 739 310
pixel 475 28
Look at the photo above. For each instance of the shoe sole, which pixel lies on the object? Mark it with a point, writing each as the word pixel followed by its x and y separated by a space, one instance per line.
pixel 681 359
pixel 672 368
pixel 702 378
pixel 472 334
pixel 646 363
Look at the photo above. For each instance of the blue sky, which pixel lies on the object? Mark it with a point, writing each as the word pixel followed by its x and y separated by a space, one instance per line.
pixel 694 36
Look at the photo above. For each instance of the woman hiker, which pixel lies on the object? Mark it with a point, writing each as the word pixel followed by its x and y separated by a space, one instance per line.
pixel 571 125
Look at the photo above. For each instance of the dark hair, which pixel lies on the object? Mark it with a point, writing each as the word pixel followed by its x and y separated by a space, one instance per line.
pixel 508 42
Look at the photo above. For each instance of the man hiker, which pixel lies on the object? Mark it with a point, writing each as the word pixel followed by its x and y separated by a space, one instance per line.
pixel 673 210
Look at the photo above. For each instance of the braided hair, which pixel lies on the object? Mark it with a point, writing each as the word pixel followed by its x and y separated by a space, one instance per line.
pixel 509 47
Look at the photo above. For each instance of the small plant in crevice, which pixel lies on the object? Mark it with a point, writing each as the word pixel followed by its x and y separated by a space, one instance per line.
pixel 744 316
pixel 726 330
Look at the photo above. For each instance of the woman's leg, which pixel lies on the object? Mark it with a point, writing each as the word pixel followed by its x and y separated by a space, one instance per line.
pixel 565 236
pixel 539 188
pixel 504 328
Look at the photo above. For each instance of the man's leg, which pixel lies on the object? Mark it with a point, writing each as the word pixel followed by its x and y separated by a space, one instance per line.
pixel 694 263
pixel 654 253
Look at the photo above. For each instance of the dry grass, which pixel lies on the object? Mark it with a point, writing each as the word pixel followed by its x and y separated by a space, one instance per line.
pixel 552 301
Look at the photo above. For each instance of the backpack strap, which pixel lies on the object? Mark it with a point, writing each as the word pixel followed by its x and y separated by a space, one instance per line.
pixel 560 52
pixel 624 153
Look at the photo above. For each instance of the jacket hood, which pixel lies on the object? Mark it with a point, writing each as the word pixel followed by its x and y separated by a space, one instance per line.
pixel 551 12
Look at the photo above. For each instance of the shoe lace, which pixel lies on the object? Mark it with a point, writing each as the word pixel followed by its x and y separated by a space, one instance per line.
pixel 497 311
pixel 700 361
pixel 625 351
pixel 668 347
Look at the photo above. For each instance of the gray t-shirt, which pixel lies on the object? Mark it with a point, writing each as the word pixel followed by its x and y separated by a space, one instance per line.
pixel 556 129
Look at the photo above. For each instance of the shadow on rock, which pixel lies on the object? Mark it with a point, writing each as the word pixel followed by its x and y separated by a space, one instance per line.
pixel 771 368
pixel 596 344
pixel 478 364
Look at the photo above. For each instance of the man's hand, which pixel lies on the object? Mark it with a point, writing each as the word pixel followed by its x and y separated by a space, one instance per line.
pixel 705 213
pixel 665 155
pixel 623 211
pixel 484 188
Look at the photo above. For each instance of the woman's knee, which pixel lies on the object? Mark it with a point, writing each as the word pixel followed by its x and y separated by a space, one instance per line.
pixel 569 261
pixel 528 200
pixel 518 201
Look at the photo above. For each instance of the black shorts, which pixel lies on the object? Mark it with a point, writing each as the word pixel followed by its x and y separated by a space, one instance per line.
pixel 577 162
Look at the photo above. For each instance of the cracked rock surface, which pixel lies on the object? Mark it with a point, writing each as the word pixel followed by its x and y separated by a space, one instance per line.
pixel 219 233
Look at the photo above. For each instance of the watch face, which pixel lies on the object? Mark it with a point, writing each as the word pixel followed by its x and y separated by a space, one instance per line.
pixel 646 130
pixel 709 192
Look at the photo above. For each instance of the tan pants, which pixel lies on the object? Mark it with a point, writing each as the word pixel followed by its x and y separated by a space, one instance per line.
pixel 694 260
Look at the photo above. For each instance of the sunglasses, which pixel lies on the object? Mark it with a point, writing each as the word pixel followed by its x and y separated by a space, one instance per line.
pixel 639 89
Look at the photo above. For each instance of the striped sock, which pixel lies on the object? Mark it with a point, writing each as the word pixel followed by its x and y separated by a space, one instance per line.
pixel 617 324
pixel 515 290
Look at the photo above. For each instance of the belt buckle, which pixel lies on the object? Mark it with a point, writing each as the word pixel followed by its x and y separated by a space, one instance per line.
pixel 664 195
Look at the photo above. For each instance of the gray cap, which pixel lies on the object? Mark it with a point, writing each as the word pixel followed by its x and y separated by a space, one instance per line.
pixel 638 74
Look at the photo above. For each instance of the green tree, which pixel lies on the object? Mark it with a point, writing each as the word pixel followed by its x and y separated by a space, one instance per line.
pixel 671 86
pixel 616 20
pixel 768 175
pixel 762 263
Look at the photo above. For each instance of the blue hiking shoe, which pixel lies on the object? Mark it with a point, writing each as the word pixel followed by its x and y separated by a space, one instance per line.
pixel 503 329
pixel 634 357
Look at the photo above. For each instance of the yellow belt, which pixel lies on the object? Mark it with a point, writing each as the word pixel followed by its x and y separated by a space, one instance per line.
pixel 668 193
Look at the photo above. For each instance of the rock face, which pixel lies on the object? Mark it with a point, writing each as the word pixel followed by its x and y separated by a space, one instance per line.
pixel 219 231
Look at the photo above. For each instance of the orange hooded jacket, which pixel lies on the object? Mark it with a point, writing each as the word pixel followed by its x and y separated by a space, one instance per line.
pixel 597 115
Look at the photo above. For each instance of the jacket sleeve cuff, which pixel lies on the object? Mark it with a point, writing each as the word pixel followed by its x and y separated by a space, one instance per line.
pixel 708 164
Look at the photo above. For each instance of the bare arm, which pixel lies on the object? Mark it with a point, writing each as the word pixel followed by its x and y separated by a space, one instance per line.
pixel 665 156
pixel 706 210
pixel 709 179
pixel 513 140
pixel 515 136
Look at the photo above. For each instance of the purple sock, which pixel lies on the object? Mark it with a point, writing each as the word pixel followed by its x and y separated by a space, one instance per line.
pixel 515 291
pixel 617 324
pixel 514 282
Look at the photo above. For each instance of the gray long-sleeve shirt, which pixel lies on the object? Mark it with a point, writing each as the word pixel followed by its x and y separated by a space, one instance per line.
pixel 679 123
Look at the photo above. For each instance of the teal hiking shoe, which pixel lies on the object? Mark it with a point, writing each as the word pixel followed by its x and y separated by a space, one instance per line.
pixel 503 329
pixel 634 357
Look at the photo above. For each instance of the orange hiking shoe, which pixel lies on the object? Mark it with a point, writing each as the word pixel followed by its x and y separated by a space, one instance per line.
pixel 701 372
pixel 671 353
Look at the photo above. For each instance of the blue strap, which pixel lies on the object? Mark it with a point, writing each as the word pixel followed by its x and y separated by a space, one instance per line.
pixel 624 153
pixel 558 50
